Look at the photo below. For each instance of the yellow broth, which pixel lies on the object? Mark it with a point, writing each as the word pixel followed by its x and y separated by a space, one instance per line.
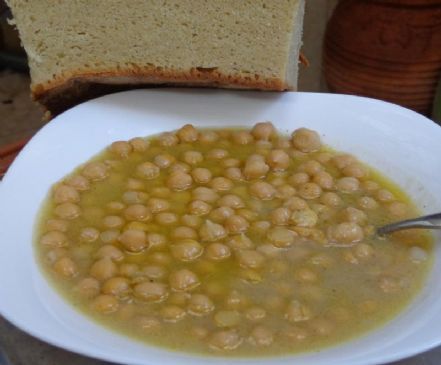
pixel 274 255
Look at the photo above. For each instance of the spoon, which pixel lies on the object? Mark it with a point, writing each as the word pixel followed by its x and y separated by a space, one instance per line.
pixel 432 221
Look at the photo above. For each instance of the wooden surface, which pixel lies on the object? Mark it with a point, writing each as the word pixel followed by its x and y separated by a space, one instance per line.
pixel 386 49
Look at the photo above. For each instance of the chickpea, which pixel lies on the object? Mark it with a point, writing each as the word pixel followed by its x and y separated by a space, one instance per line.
pixel 179 167
pixel 343 160
pixel 168 139
pixel 280 216
pixel 310 191
pixel 148 324
pixel 207 137
pixel 278 160
pixel 151 292
pixel 157 205
pixel 263 131
pixel 211 231
pixel 363 250
pixel 164 160
pixel 231 201
pixel 134 184
pixel 274 303
pixel 134 197
pixel 370 186
pixel 147 171
pixel 305 275
pixel 129 270
pixel 234 173
pixel 188 133
pixel 121 148
pixel 105 304
pixel 262 190
pixel 242 137
pixel 225 340
pixel 348 256
pixel 255 314
pixel 255 167
pixel 113 221
pixel 250 259
pixel 192 221
pixel 306 140
pixel 297 312
pixel 78 182
pixel 346 233
pixel 95 171
pixel 295 203
pixel 166 218
pixel 66 194
pixel 397 209
pixel 109 252
pixel 348 184
pixel 201 175
pixel 179 181
pixel 183 280
pixel 227 318
pixel 172 313
pixel 230 162
pixel 133 240
pixel 236 301
pixel 356 170
pixel 236 224
pixel 261 226
pixel 261 336
pixel 354 215
pixel 217 252
pixel 66 267
pixel 200 305
pixel 199 208
pixel 186 250
pixel 87 287
pixel 103 269
pixel 221 184
pixel 184 233
pixel 299 178
pixel 324 180
pixel 205 194
pixel 385 196
pixel 57 225
pixel 137 212
pixel 285 191
pixel 240 242
pixel 193 157
pixel 155 272
pixel 54 239
pixel 331 199
pixel 367 203
pixel 311 167
pixel 281 237
pixel 67 211
pixel 304 218
pixel 139 144
pixel 117 286
pixel 217 154
pixel 417 254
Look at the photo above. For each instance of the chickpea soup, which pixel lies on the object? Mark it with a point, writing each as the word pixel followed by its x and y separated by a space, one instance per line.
pixel 231 242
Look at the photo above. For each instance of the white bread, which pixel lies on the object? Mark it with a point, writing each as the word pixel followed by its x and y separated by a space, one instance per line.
pixel 79 49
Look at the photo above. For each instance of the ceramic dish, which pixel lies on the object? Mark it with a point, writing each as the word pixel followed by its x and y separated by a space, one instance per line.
pixel 400 143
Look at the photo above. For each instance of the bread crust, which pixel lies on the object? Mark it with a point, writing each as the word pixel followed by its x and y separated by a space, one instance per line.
pixel 72 88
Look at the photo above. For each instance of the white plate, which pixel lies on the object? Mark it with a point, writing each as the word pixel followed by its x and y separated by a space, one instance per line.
pixel 399 142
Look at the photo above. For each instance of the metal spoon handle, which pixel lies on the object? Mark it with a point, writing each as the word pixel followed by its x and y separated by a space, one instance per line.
pixel 432 221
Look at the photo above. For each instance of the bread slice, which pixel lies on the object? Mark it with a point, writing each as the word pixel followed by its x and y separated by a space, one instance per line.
pixel 78 49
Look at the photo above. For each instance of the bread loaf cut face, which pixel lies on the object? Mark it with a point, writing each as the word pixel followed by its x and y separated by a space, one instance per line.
pixel 78 49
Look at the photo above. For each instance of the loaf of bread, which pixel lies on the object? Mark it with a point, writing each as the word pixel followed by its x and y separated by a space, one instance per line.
pixel 78 49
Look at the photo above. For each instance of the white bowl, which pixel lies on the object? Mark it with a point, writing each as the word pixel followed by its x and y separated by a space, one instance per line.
pixel 402 144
